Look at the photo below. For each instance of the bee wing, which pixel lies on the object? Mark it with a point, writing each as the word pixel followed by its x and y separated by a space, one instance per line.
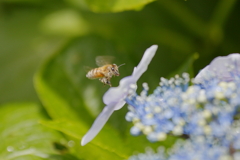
pixel 87 68
pixel 103 60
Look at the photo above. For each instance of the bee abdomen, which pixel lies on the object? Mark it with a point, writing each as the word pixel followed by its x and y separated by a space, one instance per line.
pixel 94 73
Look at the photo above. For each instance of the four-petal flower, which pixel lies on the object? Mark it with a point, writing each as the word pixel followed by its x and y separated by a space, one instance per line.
pixel 114 98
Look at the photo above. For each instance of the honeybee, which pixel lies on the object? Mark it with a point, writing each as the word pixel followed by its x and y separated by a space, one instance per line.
pixel 105 71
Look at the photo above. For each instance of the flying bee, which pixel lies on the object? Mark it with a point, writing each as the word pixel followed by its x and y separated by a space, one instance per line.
pixel 105 71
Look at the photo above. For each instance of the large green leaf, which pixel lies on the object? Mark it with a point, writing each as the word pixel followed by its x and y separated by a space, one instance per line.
pixel 116 5
pixel 22 49
pixel 108 144
pixel 62 85
pixel 23 138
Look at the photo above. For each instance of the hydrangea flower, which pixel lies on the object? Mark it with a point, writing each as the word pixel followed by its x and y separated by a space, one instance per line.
pixel 200 148
pixel 114 98
pixel 205 111
pixel 177 108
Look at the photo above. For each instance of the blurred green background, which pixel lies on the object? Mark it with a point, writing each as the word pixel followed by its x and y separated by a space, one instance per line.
pixel 45 45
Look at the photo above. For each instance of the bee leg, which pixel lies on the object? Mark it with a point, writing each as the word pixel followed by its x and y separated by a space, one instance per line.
pixel 103 80
pixel 106 81
pixel 109 83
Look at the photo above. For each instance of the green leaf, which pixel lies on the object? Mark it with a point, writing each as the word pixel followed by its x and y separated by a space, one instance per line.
pixel 66 22
pixel 116 5
pixel 62 85
pixel 23 48
pixel 23 138
pixel 65 91
pixel 107 145
pixel 187 66
pixel 56 87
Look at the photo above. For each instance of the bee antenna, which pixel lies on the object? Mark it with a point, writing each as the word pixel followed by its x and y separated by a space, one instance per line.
pixel 121 65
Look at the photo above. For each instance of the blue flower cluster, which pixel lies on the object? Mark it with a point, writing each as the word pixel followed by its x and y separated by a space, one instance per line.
pixel 199 148
pixel 177 108
pixel 206 112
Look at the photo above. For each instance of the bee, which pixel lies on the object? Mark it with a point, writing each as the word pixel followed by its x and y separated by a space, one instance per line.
pixel 105 71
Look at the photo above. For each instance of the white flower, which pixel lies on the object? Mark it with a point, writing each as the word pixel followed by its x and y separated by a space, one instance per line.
pixel 114 98
pixel 223 68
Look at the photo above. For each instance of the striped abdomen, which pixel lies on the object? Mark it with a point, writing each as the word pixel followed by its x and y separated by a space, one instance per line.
pixel 95 73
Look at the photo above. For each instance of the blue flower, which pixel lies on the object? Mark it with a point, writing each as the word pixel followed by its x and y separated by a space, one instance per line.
pixel 200 148
pixel 206 111
pixel 177 108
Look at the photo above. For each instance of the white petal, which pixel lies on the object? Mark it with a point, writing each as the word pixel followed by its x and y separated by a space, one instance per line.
pixel 221 67
pixel 235 57
pixel 146 59
pixel 119 105
pixel 202 75
pixel 98 124
pixel 115 94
